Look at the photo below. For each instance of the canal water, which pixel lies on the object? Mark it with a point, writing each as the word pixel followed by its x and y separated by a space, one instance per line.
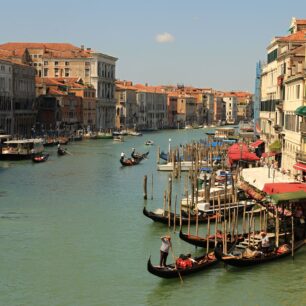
pixel 72 232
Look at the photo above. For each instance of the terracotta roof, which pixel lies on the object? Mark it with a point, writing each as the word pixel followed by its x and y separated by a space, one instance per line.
pixel 50 50
pixel 298 36
pixel 300 21
pixel 125 87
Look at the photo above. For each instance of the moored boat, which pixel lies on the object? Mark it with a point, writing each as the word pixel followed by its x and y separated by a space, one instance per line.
pixel 21 149
pixel 163 217
pixel 244 259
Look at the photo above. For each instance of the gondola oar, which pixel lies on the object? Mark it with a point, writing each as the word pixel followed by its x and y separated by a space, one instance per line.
pixel 178 272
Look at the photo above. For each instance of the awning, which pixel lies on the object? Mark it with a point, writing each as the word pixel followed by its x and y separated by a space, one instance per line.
pixel 288 196
pixel 301 111
pixel 275 146
pixel 300 166
pixel 256 144
pixel 273 188
pixel 268 154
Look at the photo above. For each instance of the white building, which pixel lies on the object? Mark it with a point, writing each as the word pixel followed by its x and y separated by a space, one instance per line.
pixel 230 109
pixel 102 76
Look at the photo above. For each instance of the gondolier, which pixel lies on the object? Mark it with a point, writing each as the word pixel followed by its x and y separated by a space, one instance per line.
pixel 164 249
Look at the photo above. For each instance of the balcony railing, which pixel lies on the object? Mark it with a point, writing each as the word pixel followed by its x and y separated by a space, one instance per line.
pixel 301 157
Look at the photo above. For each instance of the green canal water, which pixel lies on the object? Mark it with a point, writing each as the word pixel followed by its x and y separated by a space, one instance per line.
pixel 72 232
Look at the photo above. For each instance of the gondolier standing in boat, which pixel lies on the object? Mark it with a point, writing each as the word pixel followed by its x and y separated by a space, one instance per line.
pixel 164 249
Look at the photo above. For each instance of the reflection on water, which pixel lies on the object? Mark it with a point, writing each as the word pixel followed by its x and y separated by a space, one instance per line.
pixel 72 232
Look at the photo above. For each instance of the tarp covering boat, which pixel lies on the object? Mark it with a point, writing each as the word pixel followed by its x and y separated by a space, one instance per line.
pixel 240 151
pixel 273 188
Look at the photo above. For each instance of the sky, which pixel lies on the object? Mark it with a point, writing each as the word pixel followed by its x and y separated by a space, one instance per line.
pixel 206 44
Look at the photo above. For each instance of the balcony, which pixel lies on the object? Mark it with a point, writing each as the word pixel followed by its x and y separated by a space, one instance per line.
pixel 301 157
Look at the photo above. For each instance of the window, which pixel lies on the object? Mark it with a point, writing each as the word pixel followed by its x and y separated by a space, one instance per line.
pixel 87 72
pixel 46 63
pixel 67 72
pixel 56 72
pixel 46 72
pixel 66 63
pixel 56 63
pixel 298 91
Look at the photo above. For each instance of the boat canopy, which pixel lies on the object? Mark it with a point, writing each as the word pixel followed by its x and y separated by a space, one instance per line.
pixel 283 198
pixel 274 188
pixel 24 141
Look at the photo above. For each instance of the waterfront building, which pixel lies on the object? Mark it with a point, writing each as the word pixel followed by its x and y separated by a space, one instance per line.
pixel 62 103
pixel 172 101
pixel 230 108
pixel 6 96
pixel 219 108
pixel 152 107
pixel 59 60
pixel 186 109
pixel 102 76
pixel 126 105
pixel 282 92
pixel 245 106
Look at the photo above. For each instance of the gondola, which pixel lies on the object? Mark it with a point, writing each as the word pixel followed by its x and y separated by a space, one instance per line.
pixel 138 156
pixel 202 242
pixel 160 217
pixel 40 158
pixel 149 143
pixel 129 161
pixel 238 261
pixel 61 151
pixel 173 271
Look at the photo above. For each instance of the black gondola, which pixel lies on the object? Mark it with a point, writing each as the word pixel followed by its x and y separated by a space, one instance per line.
pixel 138 156
pixel 202 242
pixel 40 158
pixel 160 217
pixel 263 258
pixel 172 271
pixel 197 240
pixel 61 151
pixel 129 161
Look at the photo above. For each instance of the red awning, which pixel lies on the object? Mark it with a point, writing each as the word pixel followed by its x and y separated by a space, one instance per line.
pixel 256 144
pixel 268 154
pixel 300 166
pixel 272 188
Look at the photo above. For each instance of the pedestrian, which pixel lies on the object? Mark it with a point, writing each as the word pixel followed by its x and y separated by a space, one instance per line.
pixel 164 249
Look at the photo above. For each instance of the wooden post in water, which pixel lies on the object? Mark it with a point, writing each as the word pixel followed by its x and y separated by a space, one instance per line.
pixel 152 188
pixel 169 198
pixel 243 218
pixel 292 237
pixel 188 207
pixel 276 227
pixel 181 216
pixel 174 219
pixel 207 236
pixel 158 155
pixel 165 201
pixel 145 180
pixel 225 236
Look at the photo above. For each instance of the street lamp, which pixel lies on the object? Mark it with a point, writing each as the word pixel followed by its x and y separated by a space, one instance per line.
pixel 169 148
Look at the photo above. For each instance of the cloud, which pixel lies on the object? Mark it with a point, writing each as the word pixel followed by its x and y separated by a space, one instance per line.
pixel 164 38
